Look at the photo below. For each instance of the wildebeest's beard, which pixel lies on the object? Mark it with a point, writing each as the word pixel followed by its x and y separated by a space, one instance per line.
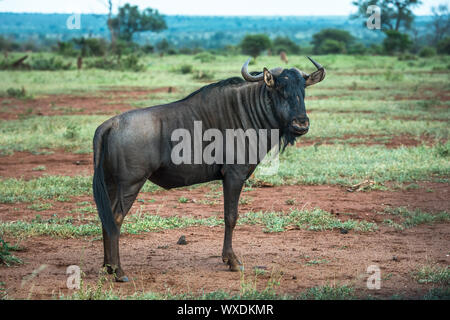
pixel 286 138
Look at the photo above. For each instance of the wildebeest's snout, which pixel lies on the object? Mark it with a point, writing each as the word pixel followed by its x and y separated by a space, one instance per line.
pixel 301 126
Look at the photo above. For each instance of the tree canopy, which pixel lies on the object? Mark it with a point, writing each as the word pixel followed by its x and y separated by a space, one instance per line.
pixel 130 20
pixel 254 44
pixel 332 41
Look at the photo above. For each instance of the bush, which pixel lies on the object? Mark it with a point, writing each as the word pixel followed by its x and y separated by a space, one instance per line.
pixel 443 46
pixel 16 93
pixel 396 42
pixel 357 48
pixel 93 47
pixel 205 57
pixel 331 46
pixel 407 57
pixel 185 69
pixel 147 48
pixel 49 64
pixel 336 35
pixel 130 62
pixel 203 75
pixel 427 52
pixel 66 49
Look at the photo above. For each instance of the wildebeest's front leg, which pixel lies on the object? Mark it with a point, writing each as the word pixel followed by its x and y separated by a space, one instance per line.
pixel 232 187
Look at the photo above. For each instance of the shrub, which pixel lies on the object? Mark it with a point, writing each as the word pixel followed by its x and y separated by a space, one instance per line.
pixel 49 64
pixel 203 75
pixel 407 57
pixel 16 93
pixel 357 48
pixel 396 42
pixel 343 37
pixel 205 57
pixel 427 52
pixel 331 46
pixel 130 62
pixel 443 46
pixel 186 68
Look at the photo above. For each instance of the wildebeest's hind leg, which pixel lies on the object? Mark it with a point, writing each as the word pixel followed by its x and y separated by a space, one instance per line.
pixel 232 186
pixel 122 194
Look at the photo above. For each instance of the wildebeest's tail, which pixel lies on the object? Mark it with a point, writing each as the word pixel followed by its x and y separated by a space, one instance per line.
pixel 98 184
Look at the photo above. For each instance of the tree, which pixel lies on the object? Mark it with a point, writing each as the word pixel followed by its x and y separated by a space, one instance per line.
pixel 396 41
pixel 395 14
pixel 440 24
pixel 443 46
pixel 332 41
pixel 130 21
pixel 285 44
pixel 330 46
pixel 254 44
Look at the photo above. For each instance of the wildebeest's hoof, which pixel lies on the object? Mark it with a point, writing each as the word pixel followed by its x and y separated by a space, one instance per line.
pixel 234 264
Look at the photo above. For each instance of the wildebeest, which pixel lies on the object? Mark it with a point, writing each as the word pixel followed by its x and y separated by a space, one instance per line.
pixel 136 146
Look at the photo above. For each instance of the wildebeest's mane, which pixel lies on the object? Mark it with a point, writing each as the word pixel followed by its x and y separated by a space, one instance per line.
pixel 219 84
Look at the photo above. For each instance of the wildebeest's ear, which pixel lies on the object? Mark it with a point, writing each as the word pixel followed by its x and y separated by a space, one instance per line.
pixel 269 78
pixel 315 77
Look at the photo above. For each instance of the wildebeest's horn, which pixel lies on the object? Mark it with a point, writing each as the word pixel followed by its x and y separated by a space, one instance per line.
pixel 318 65
pixel 247 76
pixel 317 75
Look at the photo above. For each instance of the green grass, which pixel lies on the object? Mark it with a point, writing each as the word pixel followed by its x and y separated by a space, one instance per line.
pixel 433 274
pixel 438 294
pixel 56 188
pixel 5 253
pixel 412 218
pixel 315 220
pixel 347 165
pixel 71 133
pixel 88 226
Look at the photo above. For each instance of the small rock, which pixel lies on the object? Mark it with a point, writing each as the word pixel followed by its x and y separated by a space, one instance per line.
pixel 294 277
pixel 259 268
pixel 343 231
pixel 394 258
pixel 182 240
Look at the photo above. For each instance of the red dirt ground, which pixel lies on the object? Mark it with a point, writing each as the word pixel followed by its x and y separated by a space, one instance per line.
pixel 155 262
pixel 109 101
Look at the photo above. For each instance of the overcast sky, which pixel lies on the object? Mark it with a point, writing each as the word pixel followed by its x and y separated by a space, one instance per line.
pixel 203 7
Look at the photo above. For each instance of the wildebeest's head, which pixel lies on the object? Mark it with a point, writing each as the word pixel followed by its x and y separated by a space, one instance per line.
pixel 286 88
